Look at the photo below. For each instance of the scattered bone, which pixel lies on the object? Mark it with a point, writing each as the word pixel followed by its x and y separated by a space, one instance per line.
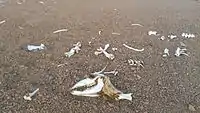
pixel 41 2
pixel 182 44
pixel 188 35
pixel 3 21
pixel 20 1
pixel 131 62
pixel 93 91
pixel 101 86
pixel 103 73
pixel 162 38
pixel 166 52
pixel 115 33
pixel 100 32
pixel 29 97
pixel 114 49
pixel 137 25
pixel 89 43
pixel 85 82
pixel 20 27
pixel 74 50
pixel 191 108
pixel 136 63
pixel 155 33
pixel 138 76
pixel 180 52
pixel 133 48
pixel 172 36
pixel 35 47
pixel 61 65
pixel 112 72
pixel 60 30
pixel 108 55
pixel 123 96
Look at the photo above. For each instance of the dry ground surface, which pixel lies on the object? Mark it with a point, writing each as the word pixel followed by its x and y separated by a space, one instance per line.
pixel 164 85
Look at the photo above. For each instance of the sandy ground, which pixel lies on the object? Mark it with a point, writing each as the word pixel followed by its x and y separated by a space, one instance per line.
pixel 164 85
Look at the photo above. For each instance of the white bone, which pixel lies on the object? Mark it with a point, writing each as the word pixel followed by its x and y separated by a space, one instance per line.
pixel 180 51
pixel 108 55
pixel 29 97
pixel 125 96
pixel 92 90
pixel 153 33
pixel 85 82
pixel 60 30
pixel 73 50
pixel 33 47
pixel 133 48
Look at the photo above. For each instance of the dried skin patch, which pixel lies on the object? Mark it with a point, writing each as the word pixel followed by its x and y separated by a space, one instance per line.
pixel 109 90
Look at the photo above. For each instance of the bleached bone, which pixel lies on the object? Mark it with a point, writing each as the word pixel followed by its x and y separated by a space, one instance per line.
pixel 35 48
pixel 108 55
pixel 73 50
pixel 85 82
pixel 133 48
pixel 166 52
pixel 93 91
pixel 102 73
pixel 29 97
pixel 180 52
pixel 155 33
pixel 60 30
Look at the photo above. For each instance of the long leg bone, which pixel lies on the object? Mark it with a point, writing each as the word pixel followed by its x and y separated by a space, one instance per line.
pixel 29 97
pixel 99 73
pixel 133 48
pixel 137 25
pixel 114 72
pixel 102 73
pixel 60 30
